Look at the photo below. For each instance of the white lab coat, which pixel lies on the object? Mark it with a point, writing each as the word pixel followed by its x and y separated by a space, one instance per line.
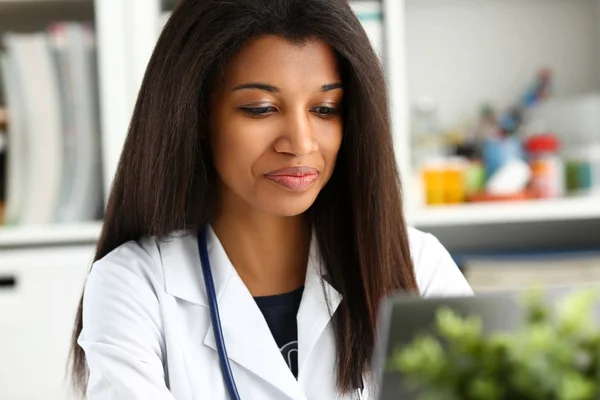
pixel 147 332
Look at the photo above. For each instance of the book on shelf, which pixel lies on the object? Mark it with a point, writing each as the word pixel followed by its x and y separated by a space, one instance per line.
pixel 81 191
pixel 53 147
pixel 522 271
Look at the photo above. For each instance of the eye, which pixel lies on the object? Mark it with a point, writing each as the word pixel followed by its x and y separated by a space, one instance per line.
pixel 259 111
pixel 325 111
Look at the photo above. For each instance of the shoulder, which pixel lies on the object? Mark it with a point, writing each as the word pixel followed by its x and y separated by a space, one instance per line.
pixel 127 278
pixel 137 266
pixel 436 272
pixel 127 286
pixel 123 320
pixel 138 260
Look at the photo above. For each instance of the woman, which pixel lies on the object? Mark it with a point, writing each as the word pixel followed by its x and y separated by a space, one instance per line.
pixel 260 140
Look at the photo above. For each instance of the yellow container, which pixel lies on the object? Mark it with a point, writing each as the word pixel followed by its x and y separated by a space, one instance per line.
pixel 433 182
pixel 444 182
pixel 454 185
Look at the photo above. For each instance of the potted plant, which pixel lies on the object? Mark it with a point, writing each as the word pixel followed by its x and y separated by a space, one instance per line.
pixel 554 356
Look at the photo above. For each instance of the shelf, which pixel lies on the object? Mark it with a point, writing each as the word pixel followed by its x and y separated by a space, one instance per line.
pixel 51 235
pixel 503 213
pixel 35 15
pixel 42 2
pixel 29 4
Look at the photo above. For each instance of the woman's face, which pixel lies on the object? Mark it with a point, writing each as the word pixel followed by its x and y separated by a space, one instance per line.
pixel 276 126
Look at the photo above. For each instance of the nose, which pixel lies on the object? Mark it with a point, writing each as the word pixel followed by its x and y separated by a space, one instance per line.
pixel 298 136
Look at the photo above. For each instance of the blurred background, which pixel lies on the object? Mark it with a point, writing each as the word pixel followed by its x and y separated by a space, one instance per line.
pixel 496 122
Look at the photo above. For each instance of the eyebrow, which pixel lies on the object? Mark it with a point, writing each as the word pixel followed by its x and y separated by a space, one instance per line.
pixel 331 86
pixel 258 86
pixel 272 89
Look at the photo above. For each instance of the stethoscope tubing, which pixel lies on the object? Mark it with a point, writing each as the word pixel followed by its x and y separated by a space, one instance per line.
pixel 216 319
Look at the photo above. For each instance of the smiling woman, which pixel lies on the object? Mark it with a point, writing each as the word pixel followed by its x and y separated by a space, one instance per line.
pixel 276 124
pixel 255 222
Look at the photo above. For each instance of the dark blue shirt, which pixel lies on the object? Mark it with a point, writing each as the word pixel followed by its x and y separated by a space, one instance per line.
pixel 280 313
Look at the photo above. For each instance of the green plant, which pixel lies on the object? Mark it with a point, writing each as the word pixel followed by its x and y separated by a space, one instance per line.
pixel 554 356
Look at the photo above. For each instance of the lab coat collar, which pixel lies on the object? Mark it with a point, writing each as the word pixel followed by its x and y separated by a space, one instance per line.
pixel 247 336
pixel 182 269
pixel 319 302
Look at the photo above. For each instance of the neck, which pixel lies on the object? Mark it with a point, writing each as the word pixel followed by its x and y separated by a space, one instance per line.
pixel 269 253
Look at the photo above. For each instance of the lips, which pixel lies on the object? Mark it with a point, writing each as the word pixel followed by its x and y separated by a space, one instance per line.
pixel 294 178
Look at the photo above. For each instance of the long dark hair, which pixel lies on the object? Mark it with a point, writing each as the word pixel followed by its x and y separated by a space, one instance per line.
pixel 164 178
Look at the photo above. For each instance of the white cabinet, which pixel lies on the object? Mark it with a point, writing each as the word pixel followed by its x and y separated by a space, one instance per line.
pixel 36 318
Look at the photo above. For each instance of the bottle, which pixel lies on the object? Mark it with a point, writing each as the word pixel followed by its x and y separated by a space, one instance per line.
pixel 547 170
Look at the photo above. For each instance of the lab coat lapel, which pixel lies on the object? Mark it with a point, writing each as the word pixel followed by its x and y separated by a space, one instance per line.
pixel 248 340
pixel 319 302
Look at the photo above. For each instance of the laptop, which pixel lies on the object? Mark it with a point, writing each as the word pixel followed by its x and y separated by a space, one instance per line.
pixel 403 317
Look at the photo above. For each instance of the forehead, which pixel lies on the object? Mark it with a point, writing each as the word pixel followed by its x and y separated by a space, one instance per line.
pixel 282 63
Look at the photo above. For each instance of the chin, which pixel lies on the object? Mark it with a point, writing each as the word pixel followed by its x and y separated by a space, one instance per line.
pixel 285 206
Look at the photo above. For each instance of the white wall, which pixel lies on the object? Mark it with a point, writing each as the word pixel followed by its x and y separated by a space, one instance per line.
pixel 465 52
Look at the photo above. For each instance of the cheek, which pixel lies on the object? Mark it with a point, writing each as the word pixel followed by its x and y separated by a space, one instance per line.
pixel 236 145
pixel 330 140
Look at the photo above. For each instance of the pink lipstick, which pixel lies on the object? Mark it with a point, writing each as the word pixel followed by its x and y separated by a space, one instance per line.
pixel 294 178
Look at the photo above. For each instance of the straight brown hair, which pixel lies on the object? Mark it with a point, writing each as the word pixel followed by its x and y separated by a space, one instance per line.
pixel 164 180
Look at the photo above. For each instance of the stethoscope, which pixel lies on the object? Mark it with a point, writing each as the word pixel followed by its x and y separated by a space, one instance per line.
pixel 216 320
